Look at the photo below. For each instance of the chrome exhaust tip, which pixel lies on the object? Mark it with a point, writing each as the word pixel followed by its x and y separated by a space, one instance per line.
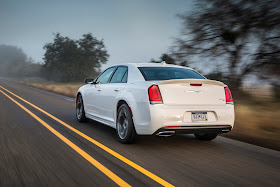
pixel 225 130
pixel 166 133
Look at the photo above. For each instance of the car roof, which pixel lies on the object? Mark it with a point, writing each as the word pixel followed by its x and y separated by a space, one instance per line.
pixel 151 65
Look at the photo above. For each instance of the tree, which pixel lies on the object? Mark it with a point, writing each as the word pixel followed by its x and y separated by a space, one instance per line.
pixel 12 60
pixel 31 69
pixel 71 60
pixel 244 34
pixel 14 63
pixel 165 57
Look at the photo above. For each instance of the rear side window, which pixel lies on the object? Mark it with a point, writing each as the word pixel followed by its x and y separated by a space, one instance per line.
pixel 167 73
pixel 119 75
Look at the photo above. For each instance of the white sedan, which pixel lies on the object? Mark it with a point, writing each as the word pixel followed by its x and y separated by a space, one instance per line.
pixel 156 99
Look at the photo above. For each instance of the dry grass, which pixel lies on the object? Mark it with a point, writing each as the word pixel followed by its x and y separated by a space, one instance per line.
pixel 257 124
pixel 258 119
pixel 69 90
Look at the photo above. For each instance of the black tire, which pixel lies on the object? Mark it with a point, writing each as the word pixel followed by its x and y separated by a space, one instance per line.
pixel 206 137
pixel 80 111
pixel 124 126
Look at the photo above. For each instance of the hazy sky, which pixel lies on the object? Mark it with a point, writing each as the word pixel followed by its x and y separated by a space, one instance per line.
pixel 133 30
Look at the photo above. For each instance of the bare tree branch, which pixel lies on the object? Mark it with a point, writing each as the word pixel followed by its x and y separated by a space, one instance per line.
pixel 246 34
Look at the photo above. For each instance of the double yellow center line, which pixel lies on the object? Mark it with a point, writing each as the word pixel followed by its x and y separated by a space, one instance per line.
pixel 94 162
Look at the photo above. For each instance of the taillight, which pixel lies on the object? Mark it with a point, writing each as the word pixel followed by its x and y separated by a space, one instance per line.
pixel 228 95
pixel 195 84
pixel 154 94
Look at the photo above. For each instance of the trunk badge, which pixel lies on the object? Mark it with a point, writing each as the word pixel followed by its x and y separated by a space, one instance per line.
pixel 196 91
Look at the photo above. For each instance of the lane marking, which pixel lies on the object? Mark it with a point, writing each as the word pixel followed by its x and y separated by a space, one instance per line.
pixel 105 148
pixel 94 162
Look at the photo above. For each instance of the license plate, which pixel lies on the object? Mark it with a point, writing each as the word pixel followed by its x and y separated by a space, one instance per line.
pixel 199 116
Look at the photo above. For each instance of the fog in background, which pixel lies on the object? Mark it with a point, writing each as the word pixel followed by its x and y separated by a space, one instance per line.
pixel 133 31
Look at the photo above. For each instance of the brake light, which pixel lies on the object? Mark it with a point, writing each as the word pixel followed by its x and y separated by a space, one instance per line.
pixel 154 94
pixel 228 95
pixel 196 84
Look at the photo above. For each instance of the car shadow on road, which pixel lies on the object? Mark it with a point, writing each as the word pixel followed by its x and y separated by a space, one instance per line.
pixel 107 134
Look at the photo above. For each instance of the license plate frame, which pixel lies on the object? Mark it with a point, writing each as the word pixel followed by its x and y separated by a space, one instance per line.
pixel 199 116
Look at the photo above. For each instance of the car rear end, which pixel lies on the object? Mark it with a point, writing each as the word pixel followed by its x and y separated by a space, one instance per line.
pixel 189 106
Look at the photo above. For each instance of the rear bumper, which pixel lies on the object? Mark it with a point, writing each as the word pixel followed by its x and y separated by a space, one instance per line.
pixel 216 129
pixel 178 119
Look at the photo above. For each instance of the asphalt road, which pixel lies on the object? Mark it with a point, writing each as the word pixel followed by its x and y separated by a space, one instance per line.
pixel 32 155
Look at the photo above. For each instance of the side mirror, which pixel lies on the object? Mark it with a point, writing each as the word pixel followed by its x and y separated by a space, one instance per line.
pixel 89 81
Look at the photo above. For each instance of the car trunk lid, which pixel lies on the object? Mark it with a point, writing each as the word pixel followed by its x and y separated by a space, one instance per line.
pixel 192 92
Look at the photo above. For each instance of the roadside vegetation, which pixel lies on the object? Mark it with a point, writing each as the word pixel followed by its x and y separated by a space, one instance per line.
pixel 258 125
pixel 230 41
pixel 65 60
pixel 68 60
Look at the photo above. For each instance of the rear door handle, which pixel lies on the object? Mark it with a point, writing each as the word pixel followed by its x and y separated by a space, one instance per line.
pixel 99 89
pixel 117 89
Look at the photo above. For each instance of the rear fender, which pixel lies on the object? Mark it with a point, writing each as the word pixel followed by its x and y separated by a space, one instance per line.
pixel 139 106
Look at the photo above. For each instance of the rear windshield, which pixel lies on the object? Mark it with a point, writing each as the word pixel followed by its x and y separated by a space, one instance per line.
pixel 167 73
